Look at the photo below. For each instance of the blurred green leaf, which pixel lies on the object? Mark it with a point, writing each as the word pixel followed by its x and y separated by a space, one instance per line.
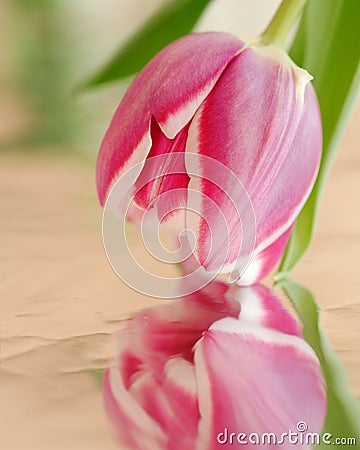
pixel 328 46
pixel 174 20
pixel 343 415
pixel 97 375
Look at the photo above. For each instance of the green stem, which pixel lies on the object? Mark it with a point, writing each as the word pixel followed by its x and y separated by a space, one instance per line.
pixel 282 22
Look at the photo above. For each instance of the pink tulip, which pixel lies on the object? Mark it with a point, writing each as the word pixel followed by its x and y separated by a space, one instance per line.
pixel 246 106
pixel 223 360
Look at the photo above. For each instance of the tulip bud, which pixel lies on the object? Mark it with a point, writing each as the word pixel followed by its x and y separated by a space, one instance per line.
pixel 246 106
pixel 223 360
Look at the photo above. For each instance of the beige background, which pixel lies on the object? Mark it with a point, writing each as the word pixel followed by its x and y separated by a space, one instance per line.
pixel 60 300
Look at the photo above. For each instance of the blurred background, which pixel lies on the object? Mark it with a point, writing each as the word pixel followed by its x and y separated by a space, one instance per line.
pixel 49 48
pixel 59 299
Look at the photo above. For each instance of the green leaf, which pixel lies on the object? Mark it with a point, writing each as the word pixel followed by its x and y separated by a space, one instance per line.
pixel 343 414
pixel 328 46
pixel 174 20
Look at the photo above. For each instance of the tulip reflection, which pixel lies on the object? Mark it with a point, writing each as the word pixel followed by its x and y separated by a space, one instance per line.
pixel 222 360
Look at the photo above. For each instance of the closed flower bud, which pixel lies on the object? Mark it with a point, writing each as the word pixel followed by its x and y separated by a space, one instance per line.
pixel 246 106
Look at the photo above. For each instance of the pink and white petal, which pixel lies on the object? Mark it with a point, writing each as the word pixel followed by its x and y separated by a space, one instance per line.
pixel 171 401
pixel 297 175
pixel 156 334
pixel 163 181
pixel 263 263
pixel 223 209
pixel 133 426
pixel 185 73
pixel 180 388
pixel 260 306
pixel 256 380
pixel 214 298
pixel 254 122
pixel 170 88
pixel 148 393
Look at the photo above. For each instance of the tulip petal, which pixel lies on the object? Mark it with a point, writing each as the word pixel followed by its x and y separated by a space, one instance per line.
pixel 260 306
pixel 163 181
pixel 170 88
pixel 156 334
pixel 262 121
pixel 147 392
pixel 181 390
pixel 272 384
pixel 134 427
pixel 262 263
pixel 171 402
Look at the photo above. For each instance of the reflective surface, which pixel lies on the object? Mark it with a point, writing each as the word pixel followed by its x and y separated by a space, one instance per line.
pixel 60 300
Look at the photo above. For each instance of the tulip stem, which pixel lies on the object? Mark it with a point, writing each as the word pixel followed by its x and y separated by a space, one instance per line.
pixel 282 22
